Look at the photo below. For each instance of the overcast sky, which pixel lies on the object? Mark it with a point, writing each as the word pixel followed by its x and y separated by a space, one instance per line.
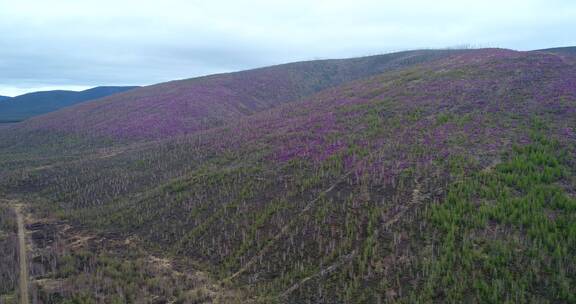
pixel 75 44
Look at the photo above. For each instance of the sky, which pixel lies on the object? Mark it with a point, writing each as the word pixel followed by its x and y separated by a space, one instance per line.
pixel 77 44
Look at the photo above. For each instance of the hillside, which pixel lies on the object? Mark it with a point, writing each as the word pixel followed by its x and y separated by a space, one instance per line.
pixel 33 104
pixel 4 98
pixel 188 106
pixel 571 51
pixel 446 181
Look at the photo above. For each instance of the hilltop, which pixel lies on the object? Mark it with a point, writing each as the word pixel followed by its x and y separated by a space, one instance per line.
pixel 192 105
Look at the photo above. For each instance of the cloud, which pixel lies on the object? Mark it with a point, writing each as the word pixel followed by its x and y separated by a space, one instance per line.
pixel 58 43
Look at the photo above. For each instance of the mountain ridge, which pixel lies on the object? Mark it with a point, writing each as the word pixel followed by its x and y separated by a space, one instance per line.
pixel 192 105
pixel 28 105
pixel 568 50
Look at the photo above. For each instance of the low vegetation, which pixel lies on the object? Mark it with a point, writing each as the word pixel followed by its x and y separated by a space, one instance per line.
pixel 8 255
pixel 446 181
pixel 506 234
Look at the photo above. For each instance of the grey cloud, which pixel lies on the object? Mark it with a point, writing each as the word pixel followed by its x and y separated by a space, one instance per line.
pixel 67 43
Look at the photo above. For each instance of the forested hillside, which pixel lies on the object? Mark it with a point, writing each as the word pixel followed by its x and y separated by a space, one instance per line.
pixel 446 180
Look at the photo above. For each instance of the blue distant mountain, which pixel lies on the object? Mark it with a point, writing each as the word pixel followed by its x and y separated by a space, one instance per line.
pixel 32 104
pixel 3 98
pixel 561 50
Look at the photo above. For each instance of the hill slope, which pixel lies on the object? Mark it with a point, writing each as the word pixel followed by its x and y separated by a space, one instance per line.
pixel 187 106
pixel 32 104
pixel 571 51
pixel 4 98
pixel 450 180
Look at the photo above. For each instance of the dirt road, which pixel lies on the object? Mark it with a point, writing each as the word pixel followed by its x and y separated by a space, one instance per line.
pixel 22 255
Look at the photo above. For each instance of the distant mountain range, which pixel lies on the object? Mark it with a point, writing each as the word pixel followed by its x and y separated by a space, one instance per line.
pixel 32 104
pixel 2 98
pixel 561 50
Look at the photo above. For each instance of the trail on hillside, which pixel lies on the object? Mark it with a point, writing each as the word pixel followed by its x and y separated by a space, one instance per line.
pixel 416 200
pixel 97 155
pixel 325 271
pixel 284 230
pixel 22 255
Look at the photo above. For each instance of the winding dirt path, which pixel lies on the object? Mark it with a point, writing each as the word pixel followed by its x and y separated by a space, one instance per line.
pixel 22 255
pixel 285 229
